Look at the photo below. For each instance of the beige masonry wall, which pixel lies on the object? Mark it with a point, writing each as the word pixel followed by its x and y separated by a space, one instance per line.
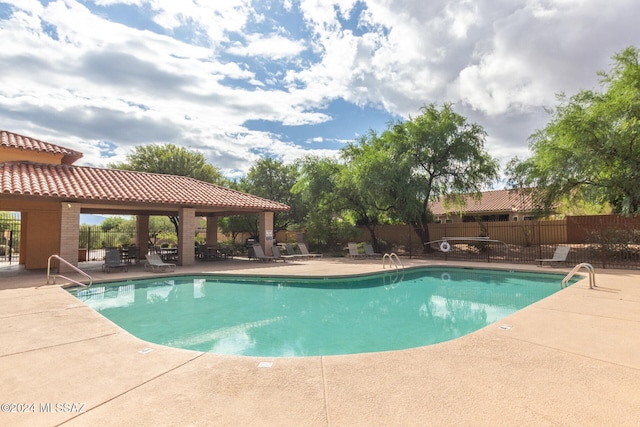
pixel 39 232
pixel 69 234
pixel 187 231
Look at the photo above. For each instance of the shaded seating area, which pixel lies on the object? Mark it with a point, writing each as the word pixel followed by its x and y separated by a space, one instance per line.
pixel 213 253
pixel 113 260
pixel 156 264
pixel 559 256
pixel 169 254
pixel 129 254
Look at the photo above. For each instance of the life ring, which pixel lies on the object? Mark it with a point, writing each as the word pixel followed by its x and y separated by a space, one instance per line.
pixel 445 246
pixel 445 277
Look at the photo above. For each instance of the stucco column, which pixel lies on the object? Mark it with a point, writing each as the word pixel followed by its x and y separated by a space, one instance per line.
pixel 212 231
pixel 69 234
pixel 186 236
pixel 142 236
pixel 265 223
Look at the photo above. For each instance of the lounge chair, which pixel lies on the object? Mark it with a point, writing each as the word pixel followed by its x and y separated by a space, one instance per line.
pixel 155 263
pixel 112 260
pixel 559 256
pixel 292 252
pixel 368 250
pixel 304 251
pixel 259 254
pixel 277 255
pixel 353 251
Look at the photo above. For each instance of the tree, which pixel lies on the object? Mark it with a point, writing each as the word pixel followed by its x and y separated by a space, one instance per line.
pixel 437 154
pixel 273 180
pixel 112 222
pixel 320 189
pixel 367 175
pixel 173 160
pixel 590 150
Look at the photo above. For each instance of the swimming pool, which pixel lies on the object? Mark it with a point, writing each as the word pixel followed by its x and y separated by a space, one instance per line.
pixel 293 316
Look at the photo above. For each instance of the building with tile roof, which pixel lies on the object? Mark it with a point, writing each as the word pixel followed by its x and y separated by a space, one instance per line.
pixel 39 180
pixel 495 205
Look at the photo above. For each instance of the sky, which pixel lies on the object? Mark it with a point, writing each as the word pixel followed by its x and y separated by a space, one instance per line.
pixel 238 80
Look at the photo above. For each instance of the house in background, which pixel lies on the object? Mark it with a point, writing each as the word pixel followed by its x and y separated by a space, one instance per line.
pixel 39 180
pixel 495 205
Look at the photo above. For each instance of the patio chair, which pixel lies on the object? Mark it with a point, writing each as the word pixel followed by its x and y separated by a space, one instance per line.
pixel 259 254
pixel 112 260
pixel 155 263
pixel 304 251
pixel 559 256
pixel 368 250
pixel 132 254
pixel 353 251
pixel 277 255
pixel 292 252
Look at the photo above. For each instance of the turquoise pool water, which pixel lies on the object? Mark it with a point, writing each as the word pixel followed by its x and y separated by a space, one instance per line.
pixel 316 316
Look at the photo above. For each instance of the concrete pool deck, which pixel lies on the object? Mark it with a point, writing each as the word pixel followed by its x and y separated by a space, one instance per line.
pixel 570 359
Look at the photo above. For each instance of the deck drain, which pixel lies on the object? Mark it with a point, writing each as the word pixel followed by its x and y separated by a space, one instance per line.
pixel 265 364
pixel 145 350
pixel 504 327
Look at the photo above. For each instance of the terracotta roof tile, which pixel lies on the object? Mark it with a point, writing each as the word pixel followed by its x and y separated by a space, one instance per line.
pixel 491 201
pixel 85 183
pixel 14 140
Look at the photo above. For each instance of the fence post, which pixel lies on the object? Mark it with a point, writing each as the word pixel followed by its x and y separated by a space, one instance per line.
pixel 10 244
pixel 602 246
pixel 539 239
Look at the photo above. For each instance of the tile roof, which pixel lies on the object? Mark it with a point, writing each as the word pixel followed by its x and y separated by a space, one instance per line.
pixel 94 184
pixel 491 201
pixel 14 140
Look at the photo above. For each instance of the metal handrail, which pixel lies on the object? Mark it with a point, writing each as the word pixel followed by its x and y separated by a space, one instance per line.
pixel 392 257
pixel 590 269
pixel 64 277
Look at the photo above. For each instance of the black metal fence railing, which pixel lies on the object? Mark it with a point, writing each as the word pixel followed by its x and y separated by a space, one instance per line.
pixel 608 241
pixel 602 256
pixel 603 241
pixel 94 240
pixel 9 238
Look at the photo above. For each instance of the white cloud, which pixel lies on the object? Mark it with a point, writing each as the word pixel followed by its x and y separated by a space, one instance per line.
pixel 272 47
pixel 80 78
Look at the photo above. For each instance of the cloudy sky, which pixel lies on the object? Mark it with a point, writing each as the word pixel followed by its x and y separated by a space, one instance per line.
pixel 241 79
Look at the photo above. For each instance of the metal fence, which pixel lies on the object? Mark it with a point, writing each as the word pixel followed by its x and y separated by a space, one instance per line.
pixel 9 238
pixel 94 240
pixel 607 241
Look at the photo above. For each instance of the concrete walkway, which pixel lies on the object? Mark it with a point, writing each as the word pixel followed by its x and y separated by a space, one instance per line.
pixel 572 359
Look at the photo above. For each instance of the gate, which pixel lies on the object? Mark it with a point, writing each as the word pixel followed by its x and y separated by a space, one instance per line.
pixel 9 238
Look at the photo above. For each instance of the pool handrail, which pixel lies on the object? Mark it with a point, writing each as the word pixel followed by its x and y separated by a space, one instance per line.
pixel 588 267
pixel 392 257
pixel 73 267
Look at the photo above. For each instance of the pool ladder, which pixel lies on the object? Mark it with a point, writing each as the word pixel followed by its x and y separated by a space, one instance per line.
pixel 588 267
pixel 392 258
pixel 73 267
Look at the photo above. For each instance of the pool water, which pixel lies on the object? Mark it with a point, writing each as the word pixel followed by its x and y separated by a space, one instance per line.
pixel 279 317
